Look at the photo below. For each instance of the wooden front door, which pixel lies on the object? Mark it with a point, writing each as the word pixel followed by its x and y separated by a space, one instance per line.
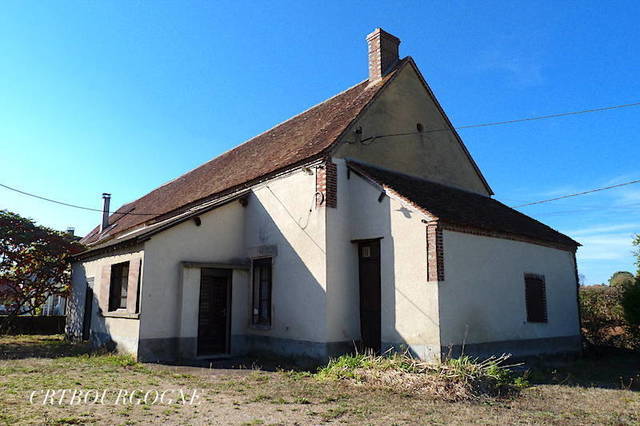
pixel 370 299
pixel 214 311
pixel 88 305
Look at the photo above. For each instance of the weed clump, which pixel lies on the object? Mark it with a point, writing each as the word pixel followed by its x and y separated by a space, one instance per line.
pixel 454 379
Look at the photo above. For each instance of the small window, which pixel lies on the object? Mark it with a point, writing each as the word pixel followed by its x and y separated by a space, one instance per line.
pixel 366 251
pixel 261 292
pixel 536 298
pixel 119 286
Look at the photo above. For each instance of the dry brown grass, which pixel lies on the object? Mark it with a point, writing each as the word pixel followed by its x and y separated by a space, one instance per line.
pixel 592 391
pixel 459 379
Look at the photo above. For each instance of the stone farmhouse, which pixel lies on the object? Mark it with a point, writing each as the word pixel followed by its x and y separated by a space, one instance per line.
pixel 361 222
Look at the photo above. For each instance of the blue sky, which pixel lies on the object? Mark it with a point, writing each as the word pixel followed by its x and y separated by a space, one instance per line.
pixel 123 96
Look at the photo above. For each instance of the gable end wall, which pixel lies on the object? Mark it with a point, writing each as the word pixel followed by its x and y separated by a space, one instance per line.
pixel 436 156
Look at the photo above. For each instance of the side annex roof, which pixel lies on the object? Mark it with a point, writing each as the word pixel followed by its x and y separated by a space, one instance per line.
pixel 453 206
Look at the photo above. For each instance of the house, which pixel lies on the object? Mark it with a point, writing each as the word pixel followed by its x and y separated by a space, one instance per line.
pixel 323 233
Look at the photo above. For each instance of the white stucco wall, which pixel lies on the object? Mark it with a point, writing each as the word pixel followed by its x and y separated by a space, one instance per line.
pixel 218 239
pixel 122 331
pixel 277 216
pixel 483 296
pixel 283 215
pixel 409 302
pixel 189 302
pixel 437 156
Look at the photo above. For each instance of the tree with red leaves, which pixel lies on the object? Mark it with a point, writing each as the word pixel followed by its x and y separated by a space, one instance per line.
pixel 34 264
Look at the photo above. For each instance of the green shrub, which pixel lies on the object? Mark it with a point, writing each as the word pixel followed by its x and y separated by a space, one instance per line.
pixel 611 314
pixel 631 303
pixel 621 278
pixel 602 315
pixel 631 307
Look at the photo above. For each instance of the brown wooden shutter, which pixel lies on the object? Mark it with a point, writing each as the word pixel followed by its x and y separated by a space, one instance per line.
pixel 536 298
pixel 103 294
pixel 133 282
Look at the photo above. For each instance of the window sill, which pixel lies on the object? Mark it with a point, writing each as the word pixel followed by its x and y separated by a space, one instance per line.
pixel 260 327
pixel 121 314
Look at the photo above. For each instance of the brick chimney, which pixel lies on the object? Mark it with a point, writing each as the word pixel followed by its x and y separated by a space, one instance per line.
pixel 383 53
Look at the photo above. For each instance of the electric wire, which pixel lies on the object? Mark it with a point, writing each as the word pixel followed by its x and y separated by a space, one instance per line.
pixel 562 197
pixel 40 197
pixel 371 139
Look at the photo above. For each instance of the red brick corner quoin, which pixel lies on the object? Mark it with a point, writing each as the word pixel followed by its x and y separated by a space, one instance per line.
pixel 435 253
pixel 327 184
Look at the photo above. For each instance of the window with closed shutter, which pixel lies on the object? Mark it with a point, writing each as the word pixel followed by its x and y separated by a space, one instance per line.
pixel 536 298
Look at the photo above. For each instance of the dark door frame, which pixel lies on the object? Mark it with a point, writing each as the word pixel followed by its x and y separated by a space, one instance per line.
pixel 222 273
pixel 88 310
pixel 371 287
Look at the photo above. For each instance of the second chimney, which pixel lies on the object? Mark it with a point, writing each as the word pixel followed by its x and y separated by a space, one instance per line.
pixel 106 200
pixel 383 53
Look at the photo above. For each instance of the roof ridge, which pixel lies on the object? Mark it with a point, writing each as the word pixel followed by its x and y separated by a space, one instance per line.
pixel 92 232
pixel 308 134
pixel 258 135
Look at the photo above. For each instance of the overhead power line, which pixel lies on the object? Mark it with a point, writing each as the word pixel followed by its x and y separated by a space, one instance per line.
pixel 577 194
pixel 71 205
pixel 372 138
pixel 544 117
pixel 156 214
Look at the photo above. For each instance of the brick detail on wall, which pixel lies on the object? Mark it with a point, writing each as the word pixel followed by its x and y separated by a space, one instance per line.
pixel 504 236
pixel 327 184
pixel 435 253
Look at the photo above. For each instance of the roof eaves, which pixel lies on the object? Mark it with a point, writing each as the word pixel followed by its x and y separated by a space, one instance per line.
pixel 143 234
pixel 353 165
pixel 429 216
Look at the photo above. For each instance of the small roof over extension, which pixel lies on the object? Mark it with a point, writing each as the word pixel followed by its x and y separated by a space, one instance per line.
pixel 452 206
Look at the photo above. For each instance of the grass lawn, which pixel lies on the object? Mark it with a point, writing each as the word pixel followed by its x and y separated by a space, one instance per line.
pixel 602 390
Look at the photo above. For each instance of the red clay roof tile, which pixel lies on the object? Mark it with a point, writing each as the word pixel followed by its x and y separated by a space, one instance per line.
pixel 458 207
pixel 301 138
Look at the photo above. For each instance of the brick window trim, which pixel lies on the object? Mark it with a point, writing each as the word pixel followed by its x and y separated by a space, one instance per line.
pixel 505 236
pixel 435 245
pixel 327 184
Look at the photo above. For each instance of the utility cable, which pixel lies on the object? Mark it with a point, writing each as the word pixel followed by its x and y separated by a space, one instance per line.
pixel 577 194
pixel 73 205
pixel 368 140
pixel 371 139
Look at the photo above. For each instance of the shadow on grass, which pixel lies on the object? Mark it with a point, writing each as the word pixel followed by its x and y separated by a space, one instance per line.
pixel 262 363
pixel 39 346
pixel 606 368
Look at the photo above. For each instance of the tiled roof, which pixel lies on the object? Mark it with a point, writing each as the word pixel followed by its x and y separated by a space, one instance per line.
pixel 300 139
pixel 462 208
